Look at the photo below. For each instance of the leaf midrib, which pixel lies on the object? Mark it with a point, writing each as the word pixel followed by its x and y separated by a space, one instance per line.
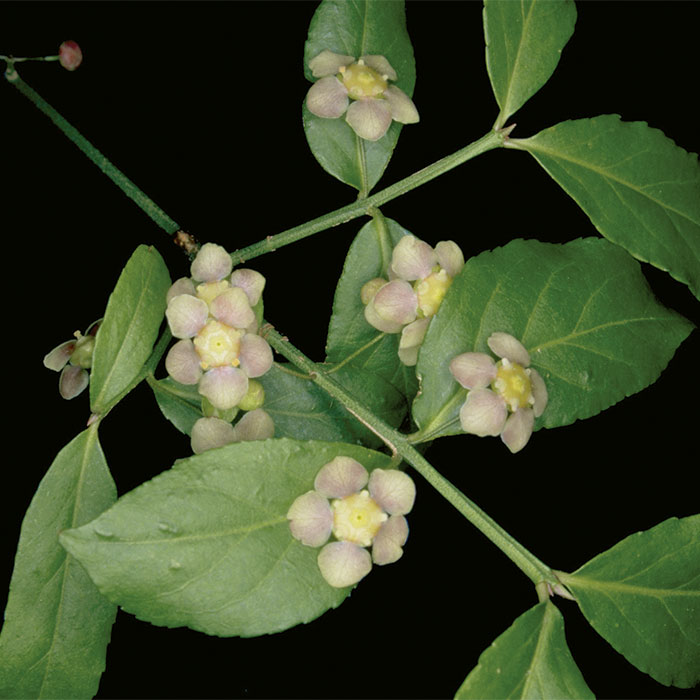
pixel 628 589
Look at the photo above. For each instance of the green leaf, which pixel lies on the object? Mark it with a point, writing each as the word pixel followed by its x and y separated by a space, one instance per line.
pixel 349 334
pixel 57 625
pixel 643 596
pixel 524 41
pixel 207 544
pixel 134 314
pixel 357 28
pixel 529 660
pixel 584 312
pixel 180 404
pixel 639 189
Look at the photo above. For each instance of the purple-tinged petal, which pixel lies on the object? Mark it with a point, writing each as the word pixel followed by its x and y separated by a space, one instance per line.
pixel 396 302
pixel 341 477
pixel 70 55
pixel 473 370
pixel 182 286
pixel 381 65
pixel 483 413
pixel 311 519
pixel 411 339
pixel 327 98
pixel 250 281
pixel 186 315
pixel 518 429
pixel 182 363
pixel 328 63
pixel 72 381
pixel 369 289
pixel 381 324
pixel 369 118
pixel 393 490
pixel 58 358
pixel 388 544
pixel 505 345
pixel 344 563
pixel 413 259
pixel 254 425
pixel 403 109
pixel 539 392
pixel 450 257
pixel 233 308
pixel 224 386
pixel 209 433
pixel 255 355
pixel 212 263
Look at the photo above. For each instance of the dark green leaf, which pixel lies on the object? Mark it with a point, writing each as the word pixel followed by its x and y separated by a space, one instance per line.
pixel 134 314
pixel 57 625
pixel 584 312
pixel 529 660
pixel 639 189
pixel 207 543
pixel 524 41
pixel 357 28
pixel 643 596
pixel 180 404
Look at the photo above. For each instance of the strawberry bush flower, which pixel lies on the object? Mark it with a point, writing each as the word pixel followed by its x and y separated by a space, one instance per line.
pixel 212 315
pixel 420 277
pixel 355 517
pixel 360 90
pixel 505 396
pixel 211 432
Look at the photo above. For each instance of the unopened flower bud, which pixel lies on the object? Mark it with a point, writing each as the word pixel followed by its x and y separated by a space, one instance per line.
pixel 69 55
pixel 369 289
pixel 254 398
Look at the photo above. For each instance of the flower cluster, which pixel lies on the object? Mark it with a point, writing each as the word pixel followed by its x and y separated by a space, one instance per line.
pixel 357 518
pixel 420 277
pixel 375 103
pixel 517 393
pixel 73 359
pixel 219 349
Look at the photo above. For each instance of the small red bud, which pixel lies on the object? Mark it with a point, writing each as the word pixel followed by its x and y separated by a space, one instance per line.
pixel 69 55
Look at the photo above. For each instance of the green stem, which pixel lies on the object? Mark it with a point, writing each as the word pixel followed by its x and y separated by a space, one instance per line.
pixel 532 567
pixel 99 159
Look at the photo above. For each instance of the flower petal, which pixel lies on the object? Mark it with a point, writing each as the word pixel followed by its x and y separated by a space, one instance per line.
pixel 212 263
pixel 328 63
pixel 381 324
pixel 186 315
pixel 72 381
pixel 381 65
pixel 224 386
pixel 483 413
pixel 450 257
pixel 233 308
pixel 344 563
pixel 396 302
pixel 341 477
pixel 58 358
pixel 402 107
pixel 311 519
pixel 518 429
pixel 393 490
pixel 505 345
pixel 327 98
pixel 473 370
pixel 387 545
pixel 413 259
pixel 369 118
pixel 255 355
pixel 182 286
pixel 254 425
pixel 208 433
pixel 411 339
pixel 250 281
pixel 539 392
pixel 182 363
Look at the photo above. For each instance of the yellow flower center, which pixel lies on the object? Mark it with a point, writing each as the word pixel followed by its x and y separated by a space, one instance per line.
pixel 431 291
pixel 208 291
pixel 218 345
pixel 362 81
pixel 512 382
pixel 357 518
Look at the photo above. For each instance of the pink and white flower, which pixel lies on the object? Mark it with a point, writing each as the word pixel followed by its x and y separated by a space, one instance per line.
pixel 505 396
pixel 340 507
pixel 360 90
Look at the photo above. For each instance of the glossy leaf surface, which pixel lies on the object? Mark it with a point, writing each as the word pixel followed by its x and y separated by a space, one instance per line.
pixel 57 625
pixel 357 28
pixel 639 189
pixel 529 660
pixel 643 596
pixel 583 310
pixel 126 336
pixel 207 543
pixel 524 41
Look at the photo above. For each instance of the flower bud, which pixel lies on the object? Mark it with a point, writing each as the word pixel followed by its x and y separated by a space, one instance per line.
pixel 254 398
pixel 69 55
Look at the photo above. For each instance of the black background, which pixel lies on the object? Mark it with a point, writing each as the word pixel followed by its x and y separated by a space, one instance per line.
pixel 200 105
